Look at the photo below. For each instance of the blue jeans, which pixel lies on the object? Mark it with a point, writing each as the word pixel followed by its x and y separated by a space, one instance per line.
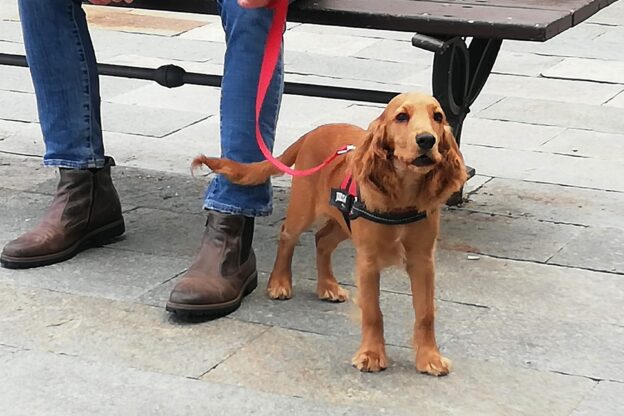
pixel 64 72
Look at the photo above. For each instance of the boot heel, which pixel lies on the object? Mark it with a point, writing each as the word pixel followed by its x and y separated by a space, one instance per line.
pixel 109 233
pixel 252 285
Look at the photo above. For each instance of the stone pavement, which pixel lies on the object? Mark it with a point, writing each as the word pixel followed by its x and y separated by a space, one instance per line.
pixel 530 269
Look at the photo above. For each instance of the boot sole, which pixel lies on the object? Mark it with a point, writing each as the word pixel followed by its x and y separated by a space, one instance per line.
pixel 215 310
pixel 95 238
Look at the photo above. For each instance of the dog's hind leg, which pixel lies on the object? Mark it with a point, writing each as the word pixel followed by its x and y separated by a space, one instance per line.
pixel 327 239
pixel 299 218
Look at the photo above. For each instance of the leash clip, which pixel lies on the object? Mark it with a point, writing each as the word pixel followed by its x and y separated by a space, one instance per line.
pixel 345 150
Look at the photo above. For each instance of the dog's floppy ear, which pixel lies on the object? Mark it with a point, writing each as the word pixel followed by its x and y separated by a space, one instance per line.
pixel 373 166
pixel 449 175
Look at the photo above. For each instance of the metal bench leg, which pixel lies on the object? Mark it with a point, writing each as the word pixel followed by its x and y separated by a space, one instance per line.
pixel 459 74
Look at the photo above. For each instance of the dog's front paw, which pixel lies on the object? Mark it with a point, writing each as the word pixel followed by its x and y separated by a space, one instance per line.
pixel 333 293
pixel 279 290
pixel 370 361
pixel 431 362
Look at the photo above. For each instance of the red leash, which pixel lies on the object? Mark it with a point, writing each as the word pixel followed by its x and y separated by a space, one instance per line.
pixel 272 52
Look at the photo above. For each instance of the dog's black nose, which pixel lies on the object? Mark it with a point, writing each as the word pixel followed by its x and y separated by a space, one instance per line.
pixel 425 141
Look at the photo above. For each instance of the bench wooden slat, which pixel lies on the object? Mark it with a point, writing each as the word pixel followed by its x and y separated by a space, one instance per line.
pixel 581 9
pixel 535 20
pixel 529 4
pixel 488 18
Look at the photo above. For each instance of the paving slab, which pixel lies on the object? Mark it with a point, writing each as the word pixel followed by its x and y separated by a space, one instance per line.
pixel 111 87
pixel 587 93
pixel 351 67
pixel 21 173
pixel 309 111
pixel 359 114
pixel 146 228
pixel 318 367
pixel 395 51
pixel 212 32
pixel 352 31
pixel 11 31
pixel 12 47
pixel 563 294
pixel 120 333
pixel 548 202
pixel 68 386
pixel 205 18
pixel 130 59
pixel 305 312
pixel 612 34
pixel 542 342
pixel 189 98
pixel 377 85
pixel 325 44
pixel 475 183
pixel 124 20
pixel 613 15
pixel 577 41
pixel 101 272
pixel 15 78
pixel 21 138
pixel 607 399
pixel 583 143
pixel 170 154
pixel 7 352
pixel 617 101
pixel 556 113
pixel 146 188
pixel 159 190
pixel 145 121
pixel 596 248
pixel 110 43
pixel 204 137
pixel 587 69
pixel 545 167
pixel 507 134
pixel 8 11
pixel 523 63
pixel 18 106
pixel 502 236
pixel 19 213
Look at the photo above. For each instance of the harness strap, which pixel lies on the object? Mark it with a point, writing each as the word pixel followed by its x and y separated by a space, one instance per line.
pixel 359 210
pixel 347 200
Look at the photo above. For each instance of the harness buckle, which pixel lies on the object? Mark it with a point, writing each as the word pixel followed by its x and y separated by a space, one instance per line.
pixel 345 149
pixel 341 200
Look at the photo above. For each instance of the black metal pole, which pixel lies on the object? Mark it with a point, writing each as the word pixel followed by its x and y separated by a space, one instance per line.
pixel 174 76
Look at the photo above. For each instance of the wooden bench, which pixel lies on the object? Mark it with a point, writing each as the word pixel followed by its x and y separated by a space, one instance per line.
pixel 464 35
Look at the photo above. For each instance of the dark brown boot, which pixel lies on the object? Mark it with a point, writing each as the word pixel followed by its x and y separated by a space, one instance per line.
pixel 223 272
pixel 85 211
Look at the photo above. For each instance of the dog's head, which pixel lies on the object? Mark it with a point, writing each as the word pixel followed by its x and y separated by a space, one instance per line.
pixel 410 148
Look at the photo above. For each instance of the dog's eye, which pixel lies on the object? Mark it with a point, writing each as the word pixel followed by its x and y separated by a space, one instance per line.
pixel 438 116
pixel 401 117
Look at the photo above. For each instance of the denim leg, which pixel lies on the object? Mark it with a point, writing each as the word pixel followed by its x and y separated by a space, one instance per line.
pixel 246 32
pixel 64 72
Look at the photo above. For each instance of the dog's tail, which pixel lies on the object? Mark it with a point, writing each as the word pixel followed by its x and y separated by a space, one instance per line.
pixel 249 173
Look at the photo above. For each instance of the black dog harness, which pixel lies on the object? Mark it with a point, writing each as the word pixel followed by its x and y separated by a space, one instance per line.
pixel 347 200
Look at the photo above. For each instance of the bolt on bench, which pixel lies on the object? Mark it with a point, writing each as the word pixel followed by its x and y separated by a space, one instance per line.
pixel 460 67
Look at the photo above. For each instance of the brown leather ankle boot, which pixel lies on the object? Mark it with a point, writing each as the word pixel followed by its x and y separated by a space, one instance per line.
pixel 85 211
pixel 223 272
